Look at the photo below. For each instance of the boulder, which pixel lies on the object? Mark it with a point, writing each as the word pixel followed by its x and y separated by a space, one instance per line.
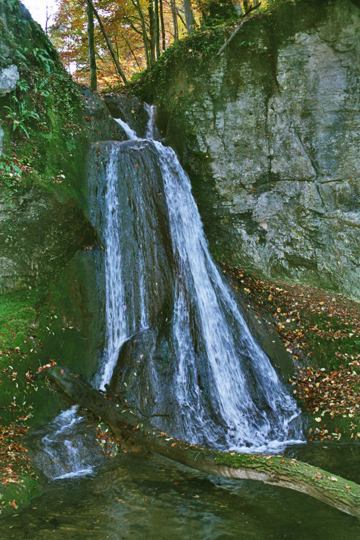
pixel 8 80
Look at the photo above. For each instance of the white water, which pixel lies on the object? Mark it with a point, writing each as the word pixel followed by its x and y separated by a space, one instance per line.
pixel 248 427
pixel 229 346
pixel 238 368
pixel 64 456
pixel 131 134
pixel 116 321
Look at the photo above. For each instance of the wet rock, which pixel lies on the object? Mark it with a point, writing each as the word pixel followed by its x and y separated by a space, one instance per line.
pixel 101 125
pixel 39 234
pixel 143 221
pixel 129 109
pixel 78 295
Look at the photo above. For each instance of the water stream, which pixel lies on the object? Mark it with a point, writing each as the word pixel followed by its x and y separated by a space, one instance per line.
pixel 224 390
pixel 143 498
pixel 205 373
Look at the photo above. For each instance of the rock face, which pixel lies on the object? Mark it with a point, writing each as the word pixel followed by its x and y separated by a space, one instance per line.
pixel 8 80
pixel 47 243
pixel 38 236
pixel 269 132
pixel 101 125
pixel 130 110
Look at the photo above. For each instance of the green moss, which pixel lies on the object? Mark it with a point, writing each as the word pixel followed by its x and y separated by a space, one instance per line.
pixel 250 461
pixel 14 497
pixel 46 135
pixel 21 354
pixel 194 54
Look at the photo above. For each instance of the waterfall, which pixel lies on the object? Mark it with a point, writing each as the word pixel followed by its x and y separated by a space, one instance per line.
pixel 176 341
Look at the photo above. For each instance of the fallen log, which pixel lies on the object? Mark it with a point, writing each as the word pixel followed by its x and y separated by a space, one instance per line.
pixel 137 435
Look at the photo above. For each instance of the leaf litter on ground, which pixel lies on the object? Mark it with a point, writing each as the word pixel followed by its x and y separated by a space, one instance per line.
pixel 321 332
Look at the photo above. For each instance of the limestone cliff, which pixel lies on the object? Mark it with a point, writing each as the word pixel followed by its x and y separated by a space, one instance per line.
pixel 269 131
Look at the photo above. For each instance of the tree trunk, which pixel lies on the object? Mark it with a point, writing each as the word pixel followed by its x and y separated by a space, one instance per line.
pixel 189 17
pixel 236 31
pixel 111 50
pixel 137 434
pixel 152 33
pixel 136 4
pixel 157 28
pixel 175 24
pixel 162 25
pixel 91 39
pixel 239 8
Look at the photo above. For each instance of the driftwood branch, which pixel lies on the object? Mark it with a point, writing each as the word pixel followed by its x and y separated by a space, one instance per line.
pixel 238 28
pixel 108 43
pixel 137 435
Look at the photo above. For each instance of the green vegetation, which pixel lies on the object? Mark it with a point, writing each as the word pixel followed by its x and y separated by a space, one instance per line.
pixel 193 53
pixel 201 45
pixel 17 494
pixel 45 143
pixel 44 146
pixel 45 134
pixel 24 321
pixel 21 399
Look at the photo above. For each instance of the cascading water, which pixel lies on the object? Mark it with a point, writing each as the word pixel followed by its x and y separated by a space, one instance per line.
pixel 176 342
pixel 200 367
pixel 64 452
pixel 245 390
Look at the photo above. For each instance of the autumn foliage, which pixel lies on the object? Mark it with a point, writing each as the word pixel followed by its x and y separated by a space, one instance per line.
pixel 124 27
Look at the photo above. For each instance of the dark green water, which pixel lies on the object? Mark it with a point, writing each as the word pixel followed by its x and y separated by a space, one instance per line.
pixel 155 499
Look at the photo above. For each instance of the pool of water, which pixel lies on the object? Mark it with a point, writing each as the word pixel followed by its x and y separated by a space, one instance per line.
pixel 152 498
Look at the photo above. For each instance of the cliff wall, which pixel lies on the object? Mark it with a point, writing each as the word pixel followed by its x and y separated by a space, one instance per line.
pixel 269 131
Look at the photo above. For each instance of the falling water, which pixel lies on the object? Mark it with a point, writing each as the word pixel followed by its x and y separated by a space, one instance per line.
pixel 240 403
pixel 213 380
pixel 63 452
pixel 246 391
pixel 116 327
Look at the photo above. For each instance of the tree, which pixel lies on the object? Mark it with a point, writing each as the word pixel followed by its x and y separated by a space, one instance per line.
pixel 136 434
pixel 175 22
pixel 216 11
pixel 91 39
pixel 70 35
pixel 138 32
pixel 189 17
pixel 108 43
